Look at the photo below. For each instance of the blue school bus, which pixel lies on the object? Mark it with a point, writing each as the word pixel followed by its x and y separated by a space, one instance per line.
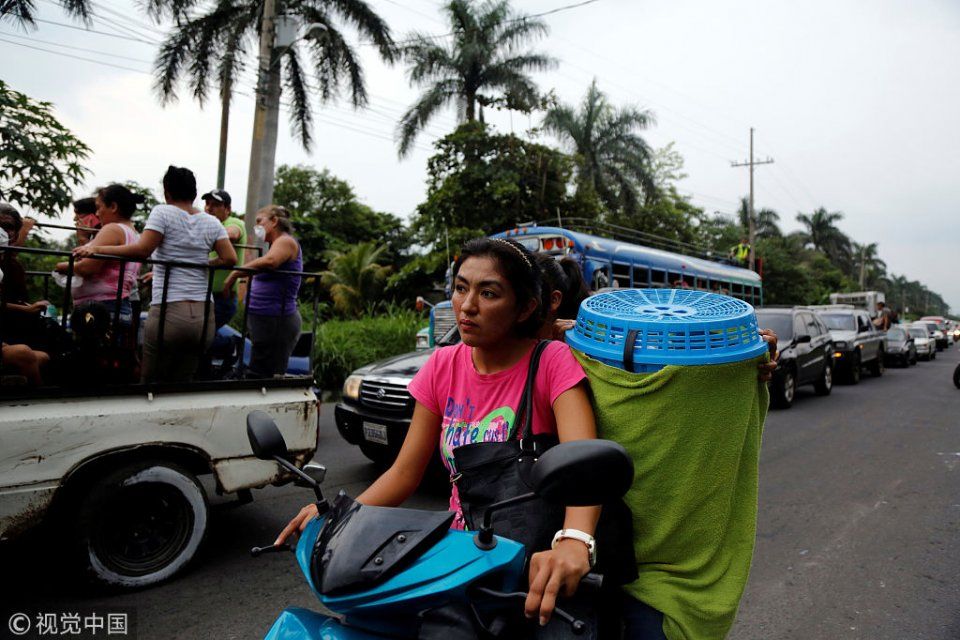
pixel 609 263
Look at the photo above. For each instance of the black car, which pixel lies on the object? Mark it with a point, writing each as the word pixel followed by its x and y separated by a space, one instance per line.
pixel 805 352
pixel 899 347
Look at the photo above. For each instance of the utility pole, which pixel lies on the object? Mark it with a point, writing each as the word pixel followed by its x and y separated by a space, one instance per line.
pixel 225 95
pixel 863 268
pixel 265 121
pixel 751 221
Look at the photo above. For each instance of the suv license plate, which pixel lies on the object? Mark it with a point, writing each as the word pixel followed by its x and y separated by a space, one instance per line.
pixel 374 433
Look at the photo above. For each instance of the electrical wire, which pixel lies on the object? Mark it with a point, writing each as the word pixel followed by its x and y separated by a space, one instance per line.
pixel 67 46
pixel 68 55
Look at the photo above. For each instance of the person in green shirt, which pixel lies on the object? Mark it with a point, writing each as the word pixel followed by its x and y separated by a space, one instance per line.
pixel 217 203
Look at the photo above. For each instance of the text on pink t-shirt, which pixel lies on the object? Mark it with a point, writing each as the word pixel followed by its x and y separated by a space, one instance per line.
pixel 479 407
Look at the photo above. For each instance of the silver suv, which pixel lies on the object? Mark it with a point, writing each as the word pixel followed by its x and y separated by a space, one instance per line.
pixel 857 343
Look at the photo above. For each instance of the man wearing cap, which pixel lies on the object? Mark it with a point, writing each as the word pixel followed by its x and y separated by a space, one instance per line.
pixel 217 203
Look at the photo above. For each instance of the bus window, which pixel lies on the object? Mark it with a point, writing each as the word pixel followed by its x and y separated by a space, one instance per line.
pixel 702 284
pixel 621 275
pixel 737 290
pixel 688 282
pixel 641 277
pixel 674 280
pixel 658 278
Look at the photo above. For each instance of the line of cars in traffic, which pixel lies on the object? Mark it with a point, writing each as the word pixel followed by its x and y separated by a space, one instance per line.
pixel 823 344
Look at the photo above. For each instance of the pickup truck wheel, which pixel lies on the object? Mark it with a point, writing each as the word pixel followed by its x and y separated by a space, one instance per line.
pixel 853 373
pixel 378 454
pixel 783 390
pixel 141 525
pixel 877 368
pixel 824 385
pixel 956 377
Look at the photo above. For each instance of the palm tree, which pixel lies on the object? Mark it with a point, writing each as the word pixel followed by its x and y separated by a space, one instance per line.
pixel 869 266
pixel 764 221
pixel 212 46
pixel 21 12
pixel 822 233
pixel 355 278
pixel 484 64
pixel 613 161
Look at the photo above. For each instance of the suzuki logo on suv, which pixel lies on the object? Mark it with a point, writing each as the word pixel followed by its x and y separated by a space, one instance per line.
pixel 381 393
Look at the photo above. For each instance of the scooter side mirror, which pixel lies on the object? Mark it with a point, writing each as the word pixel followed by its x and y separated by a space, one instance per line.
pixel 316 473
pixel 265 438
pixel 582 473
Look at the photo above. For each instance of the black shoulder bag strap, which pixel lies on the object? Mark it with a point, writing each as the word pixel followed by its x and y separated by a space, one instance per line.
pixel 524 417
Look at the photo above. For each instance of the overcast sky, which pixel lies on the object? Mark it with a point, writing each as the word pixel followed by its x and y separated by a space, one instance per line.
pixel 858 103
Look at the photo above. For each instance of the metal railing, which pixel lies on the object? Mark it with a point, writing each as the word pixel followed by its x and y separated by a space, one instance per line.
pixel 6 257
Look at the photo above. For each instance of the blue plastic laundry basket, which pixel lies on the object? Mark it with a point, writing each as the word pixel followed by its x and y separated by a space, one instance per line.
pixel 643 330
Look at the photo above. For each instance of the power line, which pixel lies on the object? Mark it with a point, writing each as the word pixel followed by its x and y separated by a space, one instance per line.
pixel 68 55
pixel 67 46
pixel 88 30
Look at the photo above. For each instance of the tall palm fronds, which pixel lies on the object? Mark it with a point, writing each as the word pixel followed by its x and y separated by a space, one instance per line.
pixel 822 233
pixel 213 46
pixel 869 268
pixel 612 159
pixel 355 278
pixel 22 12
pixel 485 63
pixel 764 220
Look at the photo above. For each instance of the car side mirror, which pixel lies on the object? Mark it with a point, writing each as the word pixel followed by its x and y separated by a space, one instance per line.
pixel 264 436
pixel 316 472
pixel 582 473
pixel 802 339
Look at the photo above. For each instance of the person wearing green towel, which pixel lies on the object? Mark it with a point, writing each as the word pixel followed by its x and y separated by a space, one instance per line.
pixel 694 435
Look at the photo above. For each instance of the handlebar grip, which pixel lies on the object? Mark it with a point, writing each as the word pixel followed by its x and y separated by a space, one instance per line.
pixel 591 583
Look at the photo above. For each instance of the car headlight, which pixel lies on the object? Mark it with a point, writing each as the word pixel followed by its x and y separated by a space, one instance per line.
pixel 423 341
pixel 893 348
pixel 840 345
pixel 351 387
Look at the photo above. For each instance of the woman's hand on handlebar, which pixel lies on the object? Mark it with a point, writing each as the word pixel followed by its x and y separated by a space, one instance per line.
pixel 298 524
pixel 555 573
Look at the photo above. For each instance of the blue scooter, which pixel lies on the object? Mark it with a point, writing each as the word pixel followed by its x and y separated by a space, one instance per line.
pixel 381 570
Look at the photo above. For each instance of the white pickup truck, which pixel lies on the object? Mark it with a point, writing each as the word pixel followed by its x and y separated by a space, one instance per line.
pixel 119 471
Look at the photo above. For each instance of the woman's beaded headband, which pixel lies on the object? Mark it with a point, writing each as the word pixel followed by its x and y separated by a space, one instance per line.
pixel 517 249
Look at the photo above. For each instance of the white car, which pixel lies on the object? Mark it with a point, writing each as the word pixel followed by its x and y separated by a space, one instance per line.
pixel 926 345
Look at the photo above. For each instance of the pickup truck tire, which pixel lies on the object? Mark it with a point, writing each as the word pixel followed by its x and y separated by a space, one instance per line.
pixel 784 389
pixel 876 367
pixel 141 524
pixel 853 372
pixel 824 385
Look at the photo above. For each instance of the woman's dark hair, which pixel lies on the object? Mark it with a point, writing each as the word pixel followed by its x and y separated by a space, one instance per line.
pixel 85 206
pixel 180 184
pixel 125 199
pixel 281 215
pixel 563 276
pixel 10 220
pixel 518 267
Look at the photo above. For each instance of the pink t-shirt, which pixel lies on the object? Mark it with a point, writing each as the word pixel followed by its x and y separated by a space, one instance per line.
pixel 482 408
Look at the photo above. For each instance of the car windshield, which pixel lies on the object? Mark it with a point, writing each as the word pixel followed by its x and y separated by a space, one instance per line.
pixel 917 332
pixel 839 322
pixel 781 323
pixel 896 334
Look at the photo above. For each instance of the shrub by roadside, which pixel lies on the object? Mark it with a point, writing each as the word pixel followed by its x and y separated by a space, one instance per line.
pixel 344 345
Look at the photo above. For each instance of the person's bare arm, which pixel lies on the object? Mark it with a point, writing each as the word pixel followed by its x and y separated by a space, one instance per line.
pixel 558 571
pixel 140 250
pixel 234 233
pixel 110 235
pixel 397 483
pixel 226 254
pixel 281 252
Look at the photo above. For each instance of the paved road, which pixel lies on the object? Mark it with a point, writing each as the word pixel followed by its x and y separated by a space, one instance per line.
pixel 857 536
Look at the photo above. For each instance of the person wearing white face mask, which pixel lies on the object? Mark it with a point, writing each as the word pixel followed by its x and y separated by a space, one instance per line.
pixel 272 315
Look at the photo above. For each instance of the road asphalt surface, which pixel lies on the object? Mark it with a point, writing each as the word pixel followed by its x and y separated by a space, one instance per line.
pixel 857 534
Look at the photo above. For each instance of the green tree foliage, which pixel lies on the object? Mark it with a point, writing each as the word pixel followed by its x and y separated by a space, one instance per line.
pixel 21 12
pixel 211 43
pixel 822 233
pixel 479 183
pixel 484 64
pixel 765 221
pixel 356 279
pixel 40 160
pixel 328 216
pixel 612 160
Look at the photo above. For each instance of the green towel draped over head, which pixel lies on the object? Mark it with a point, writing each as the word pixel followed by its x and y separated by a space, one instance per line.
pixel 694 435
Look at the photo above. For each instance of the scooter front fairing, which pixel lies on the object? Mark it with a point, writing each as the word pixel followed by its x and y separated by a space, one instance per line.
pixel 439 575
